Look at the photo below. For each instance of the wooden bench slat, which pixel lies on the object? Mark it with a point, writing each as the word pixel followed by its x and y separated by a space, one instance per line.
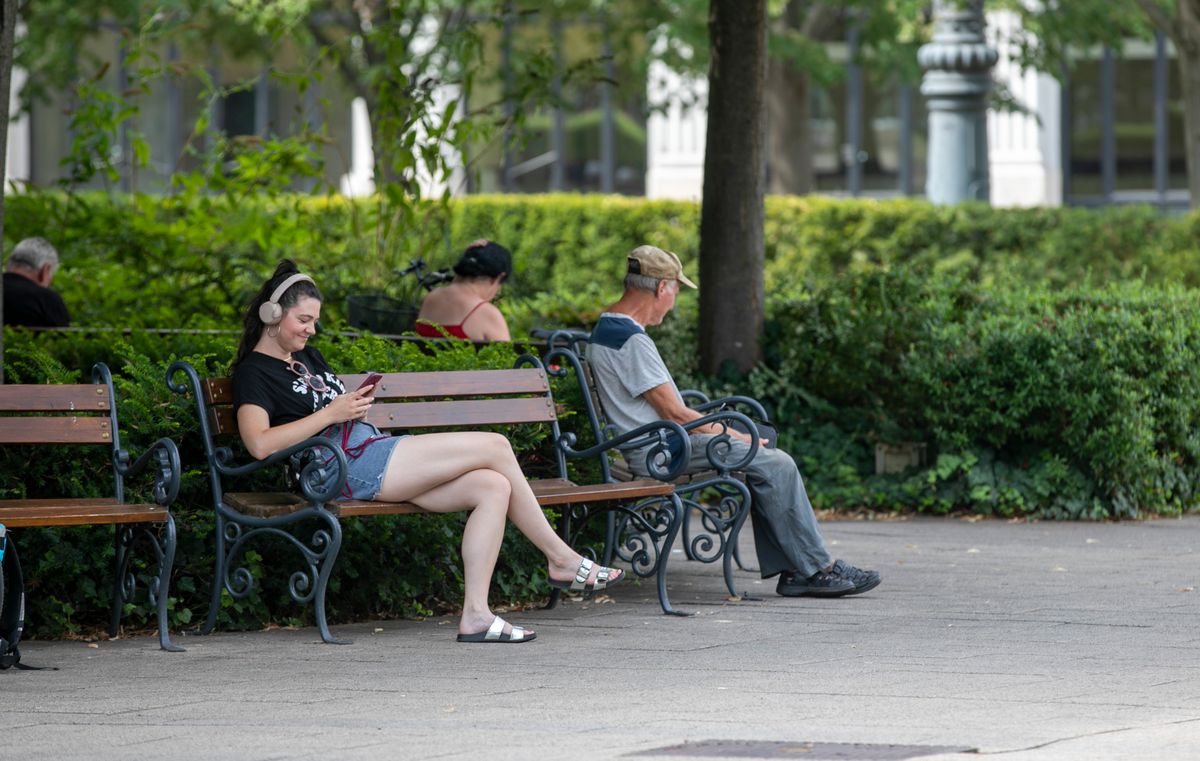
pixel 217 390
pixel 455 383
pixel 551 485
pixel 549 491
pixel 79 515
pixel 461 412
pixel 55 430
pixel 356 507
pixel 60 502
pixel 419 385
pixel 222 421
pixel 574 495
pixel 390 416
pixel 263 504
pixel 272 504
pixel 89 397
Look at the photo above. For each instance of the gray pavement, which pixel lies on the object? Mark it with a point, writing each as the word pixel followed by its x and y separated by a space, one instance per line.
pixel 1026 641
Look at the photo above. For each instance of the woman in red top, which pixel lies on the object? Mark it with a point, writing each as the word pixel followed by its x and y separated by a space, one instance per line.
pixel 464 308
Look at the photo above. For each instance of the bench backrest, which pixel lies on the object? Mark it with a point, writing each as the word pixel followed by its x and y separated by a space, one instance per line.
pixel 428 400
pixel 64 413
pixel 570 359
pixel 419 400
pixel 55 414
pixel 725 412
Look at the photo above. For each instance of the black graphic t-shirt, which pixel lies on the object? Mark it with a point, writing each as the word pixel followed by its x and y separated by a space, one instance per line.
pixel 267 382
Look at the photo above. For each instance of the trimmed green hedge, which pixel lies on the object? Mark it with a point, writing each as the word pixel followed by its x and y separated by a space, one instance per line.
pixel 155 262
pixel 1075 403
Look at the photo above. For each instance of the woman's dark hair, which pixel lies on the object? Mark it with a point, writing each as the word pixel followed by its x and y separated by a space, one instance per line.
pixel 483 258
pixel 253 324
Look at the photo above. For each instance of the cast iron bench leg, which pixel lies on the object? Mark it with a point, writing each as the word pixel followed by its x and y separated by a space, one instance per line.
pixel 665 554
pixel 122 538
pixel 214 603
pixel 610 537
pixel 165 563
pixel 335 545
pixel 123 586
pixel 732 542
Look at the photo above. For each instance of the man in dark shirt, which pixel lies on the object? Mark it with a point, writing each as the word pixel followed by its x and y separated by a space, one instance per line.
pixel 28 299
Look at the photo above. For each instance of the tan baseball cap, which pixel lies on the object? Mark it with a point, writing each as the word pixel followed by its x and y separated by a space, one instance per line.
pixel 654 262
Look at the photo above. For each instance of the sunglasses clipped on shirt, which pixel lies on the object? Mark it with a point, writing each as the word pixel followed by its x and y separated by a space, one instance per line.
pixel 315 382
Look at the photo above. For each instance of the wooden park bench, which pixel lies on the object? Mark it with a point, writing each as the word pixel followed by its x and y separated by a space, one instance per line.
pixel 60 415
pixel 649 512
pixel 717 495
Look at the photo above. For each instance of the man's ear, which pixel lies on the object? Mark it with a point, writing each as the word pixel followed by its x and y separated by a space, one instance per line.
pixel 45 275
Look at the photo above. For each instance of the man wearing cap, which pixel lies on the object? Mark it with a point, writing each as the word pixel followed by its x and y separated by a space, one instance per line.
pixel 636 388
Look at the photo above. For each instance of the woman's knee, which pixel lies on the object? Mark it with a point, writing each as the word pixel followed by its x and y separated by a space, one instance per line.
pixel 498 447
pixel 490 486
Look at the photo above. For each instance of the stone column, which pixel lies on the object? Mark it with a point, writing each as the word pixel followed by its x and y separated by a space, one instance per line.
pixel 957 64
pixel 1025 147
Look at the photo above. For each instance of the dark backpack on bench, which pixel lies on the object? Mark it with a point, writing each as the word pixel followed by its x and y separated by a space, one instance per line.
pixel 12 602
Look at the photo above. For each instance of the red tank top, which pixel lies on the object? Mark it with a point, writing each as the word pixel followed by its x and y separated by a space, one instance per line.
pixel 433 330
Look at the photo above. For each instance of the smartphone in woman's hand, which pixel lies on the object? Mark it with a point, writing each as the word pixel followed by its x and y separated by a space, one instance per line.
pixel 372 380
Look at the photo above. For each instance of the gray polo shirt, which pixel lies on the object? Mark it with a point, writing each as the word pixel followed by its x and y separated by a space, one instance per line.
pixel 626 364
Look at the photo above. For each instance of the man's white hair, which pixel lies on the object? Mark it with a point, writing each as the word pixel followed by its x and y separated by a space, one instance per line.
pixel 33 254
pixel 642 282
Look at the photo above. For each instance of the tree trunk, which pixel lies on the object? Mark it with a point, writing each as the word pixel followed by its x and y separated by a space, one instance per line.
pixel 8 27
pixel 788 130
pixel 731 213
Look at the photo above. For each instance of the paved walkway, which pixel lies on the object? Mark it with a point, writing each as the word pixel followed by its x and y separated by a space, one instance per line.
pixel 1042 641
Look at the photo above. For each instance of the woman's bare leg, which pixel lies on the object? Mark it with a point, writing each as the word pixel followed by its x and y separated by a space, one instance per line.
pixel 420 463
pixel 485 493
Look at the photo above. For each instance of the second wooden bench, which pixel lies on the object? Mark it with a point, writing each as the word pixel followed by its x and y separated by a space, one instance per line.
pixel 64 416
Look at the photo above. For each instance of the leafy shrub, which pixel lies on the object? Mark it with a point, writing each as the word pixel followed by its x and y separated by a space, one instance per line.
pixel 1098 383
pixel 1065 404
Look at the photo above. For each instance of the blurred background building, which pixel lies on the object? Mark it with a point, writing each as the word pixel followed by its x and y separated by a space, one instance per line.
pixel 1108 131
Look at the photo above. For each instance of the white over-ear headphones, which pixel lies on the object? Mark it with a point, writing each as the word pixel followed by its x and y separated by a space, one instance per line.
pixel 269 311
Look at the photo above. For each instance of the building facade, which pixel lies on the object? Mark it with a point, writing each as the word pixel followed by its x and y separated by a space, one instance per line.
pixel 1108 130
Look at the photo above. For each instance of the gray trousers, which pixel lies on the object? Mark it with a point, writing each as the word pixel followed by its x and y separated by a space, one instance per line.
pixel 786 535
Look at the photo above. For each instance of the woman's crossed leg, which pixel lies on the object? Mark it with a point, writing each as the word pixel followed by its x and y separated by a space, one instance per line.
pixel 477 471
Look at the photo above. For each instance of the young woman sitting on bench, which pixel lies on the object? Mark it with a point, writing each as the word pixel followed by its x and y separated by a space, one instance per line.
pixel 284 392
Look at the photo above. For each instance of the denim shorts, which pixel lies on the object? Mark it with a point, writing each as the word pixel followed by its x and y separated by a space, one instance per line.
pixel 365 474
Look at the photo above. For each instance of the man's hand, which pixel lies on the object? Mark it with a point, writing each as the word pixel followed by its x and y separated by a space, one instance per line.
pixel 745 438
pixel 666 402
